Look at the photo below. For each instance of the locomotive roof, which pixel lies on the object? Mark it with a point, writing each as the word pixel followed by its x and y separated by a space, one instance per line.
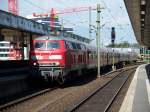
pixel 71 36
pixel 51 37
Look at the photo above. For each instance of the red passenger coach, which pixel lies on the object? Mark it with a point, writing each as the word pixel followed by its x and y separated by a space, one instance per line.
pixel 54 57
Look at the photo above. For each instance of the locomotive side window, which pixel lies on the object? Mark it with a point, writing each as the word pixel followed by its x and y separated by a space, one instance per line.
pixel 39 45
pixel 53 45
pixel 83 47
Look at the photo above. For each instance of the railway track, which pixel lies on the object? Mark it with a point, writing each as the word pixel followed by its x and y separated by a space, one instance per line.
pixel 59 99
pixel 8 106
pixel 101 99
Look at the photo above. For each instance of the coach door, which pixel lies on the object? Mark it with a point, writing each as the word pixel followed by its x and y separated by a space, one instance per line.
pixel 68 53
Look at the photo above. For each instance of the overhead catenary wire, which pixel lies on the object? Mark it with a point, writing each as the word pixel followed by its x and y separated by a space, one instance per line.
pixel 75 25
pixel 31 3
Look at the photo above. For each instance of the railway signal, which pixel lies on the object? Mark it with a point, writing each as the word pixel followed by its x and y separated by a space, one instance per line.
pixel 113 36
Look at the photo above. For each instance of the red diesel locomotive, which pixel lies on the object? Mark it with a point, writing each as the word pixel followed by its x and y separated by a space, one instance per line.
pixel 55 58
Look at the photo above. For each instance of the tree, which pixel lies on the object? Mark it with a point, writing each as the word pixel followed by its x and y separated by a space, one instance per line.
pixel 124 44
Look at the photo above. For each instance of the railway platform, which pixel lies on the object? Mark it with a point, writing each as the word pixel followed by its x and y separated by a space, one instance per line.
pixel 137 98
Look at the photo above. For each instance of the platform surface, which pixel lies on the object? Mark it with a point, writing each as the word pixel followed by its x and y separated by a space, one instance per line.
pixel 137 98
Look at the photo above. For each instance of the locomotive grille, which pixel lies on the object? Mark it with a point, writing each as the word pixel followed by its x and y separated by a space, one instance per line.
pixel 49 64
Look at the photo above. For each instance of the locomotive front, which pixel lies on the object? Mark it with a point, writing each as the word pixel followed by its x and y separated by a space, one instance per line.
pixel 47 59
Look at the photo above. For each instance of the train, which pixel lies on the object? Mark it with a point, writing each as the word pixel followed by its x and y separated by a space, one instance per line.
pixel 57 58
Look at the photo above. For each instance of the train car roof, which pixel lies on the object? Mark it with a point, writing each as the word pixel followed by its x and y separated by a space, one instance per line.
pixel 88 46
pixel 111 50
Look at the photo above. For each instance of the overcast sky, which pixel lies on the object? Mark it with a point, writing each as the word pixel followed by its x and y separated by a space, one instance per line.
pixel 114 15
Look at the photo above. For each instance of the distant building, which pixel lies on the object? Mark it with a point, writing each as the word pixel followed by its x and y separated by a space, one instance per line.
pixel 46 20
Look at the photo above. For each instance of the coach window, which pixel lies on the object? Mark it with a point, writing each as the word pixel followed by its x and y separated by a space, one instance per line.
pixel 74 59
pixel 82 47
pixel 92 56
pixel 78 46
pixel 81 58
pixel 70 45
pixel 74 46
pixel 95 56
pixel 89 55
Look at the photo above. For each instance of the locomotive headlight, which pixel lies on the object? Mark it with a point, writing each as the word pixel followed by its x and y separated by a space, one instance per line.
pixel 34 64
pixel 57 63
pixel 40 57
pixel 55 57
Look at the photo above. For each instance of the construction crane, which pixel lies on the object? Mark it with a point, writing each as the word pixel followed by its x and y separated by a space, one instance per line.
pixel 13 6
pixel 64 11
pixel 53 13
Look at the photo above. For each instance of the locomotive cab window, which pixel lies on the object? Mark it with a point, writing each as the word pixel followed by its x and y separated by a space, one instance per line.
pixel 39 45
pixel 53 45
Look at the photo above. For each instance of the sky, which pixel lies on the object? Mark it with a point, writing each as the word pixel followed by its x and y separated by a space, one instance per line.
pixel 114 14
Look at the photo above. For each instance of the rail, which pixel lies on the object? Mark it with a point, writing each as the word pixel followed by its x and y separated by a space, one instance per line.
pixel 79 105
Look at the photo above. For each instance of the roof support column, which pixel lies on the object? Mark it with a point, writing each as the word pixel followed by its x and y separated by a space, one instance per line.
pixel 22 45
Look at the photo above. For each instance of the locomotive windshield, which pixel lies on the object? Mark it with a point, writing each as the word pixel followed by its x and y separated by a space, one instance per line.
pixel 40 45
pixel 53 45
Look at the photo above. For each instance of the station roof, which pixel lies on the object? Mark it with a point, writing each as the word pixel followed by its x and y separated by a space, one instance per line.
pixel 139 13
pixel 11 21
